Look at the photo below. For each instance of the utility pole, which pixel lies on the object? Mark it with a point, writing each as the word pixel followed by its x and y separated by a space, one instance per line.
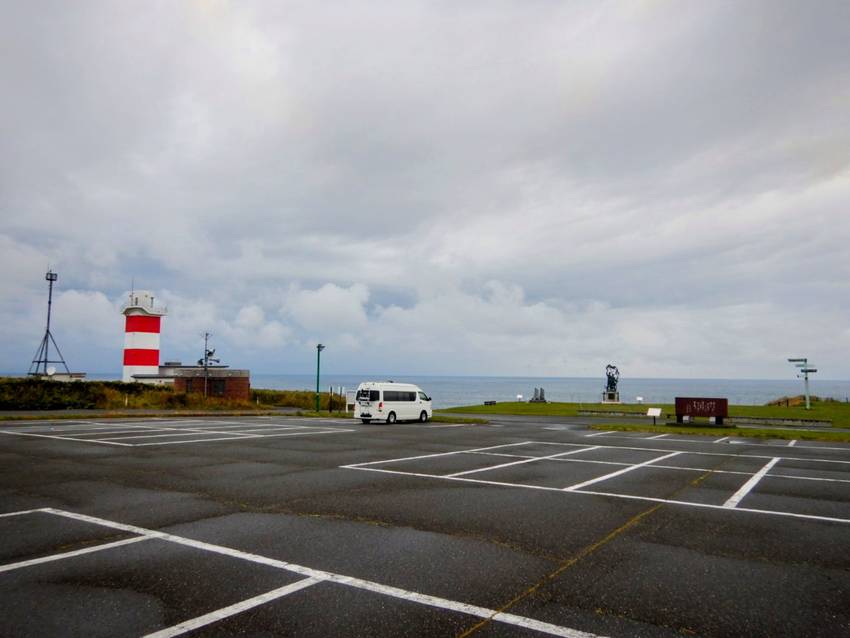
pixel 319 349
pixel 805 370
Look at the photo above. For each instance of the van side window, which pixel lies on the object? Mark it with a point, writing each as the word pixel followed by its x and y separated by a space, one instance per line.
pixel 399 395
pixel 423 396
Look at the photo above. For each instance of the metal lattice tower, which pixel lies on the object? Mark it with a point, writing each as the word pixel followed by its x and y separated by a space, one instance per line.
pixel 42 358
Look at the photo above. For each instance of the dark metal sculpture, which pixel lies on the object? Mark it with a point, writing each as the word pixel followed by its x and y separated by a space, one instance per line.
pixel 539 396
pixel 613 375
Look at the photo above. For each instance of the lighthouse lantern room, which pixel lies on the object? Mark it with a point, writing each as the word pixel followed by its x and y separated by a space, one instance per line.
pixel 141 334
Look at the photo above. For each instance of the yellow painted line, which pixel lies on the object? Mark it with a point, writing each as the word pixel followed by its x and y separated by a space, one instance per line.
pixel 587 551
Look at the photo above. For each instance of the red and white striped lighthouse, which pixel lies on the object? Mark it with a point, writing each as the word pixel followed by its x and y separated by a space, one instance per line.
pixel 141 334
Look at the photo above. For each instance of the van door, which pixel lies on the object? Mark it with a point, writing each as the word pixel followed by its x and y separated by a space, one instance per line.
pixel 413 405
pixel 367 404
pixel 424 402
pixel 410 412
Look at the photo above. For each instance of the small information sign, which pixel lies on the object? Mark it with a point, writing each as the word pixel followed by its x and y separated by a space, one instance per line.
pixel 653 412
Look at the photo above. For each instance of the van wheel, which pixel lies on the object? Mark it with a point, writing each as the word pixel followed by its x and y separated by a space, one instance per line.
pixel 391 418
pixel 423 417
pixel 366 421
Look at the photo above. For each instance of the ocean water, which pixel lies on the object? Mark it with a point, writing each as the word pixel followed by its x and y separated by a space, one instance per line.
pixel 450 392
pixel 455 391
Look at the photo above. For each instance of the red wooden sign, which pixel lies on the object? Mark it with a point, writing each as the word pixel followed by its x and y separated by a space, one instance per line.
pixel 691 406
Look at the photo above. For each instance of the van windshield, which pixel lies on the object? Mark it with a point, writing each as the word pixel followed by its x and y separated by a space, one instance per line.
pixel 369 395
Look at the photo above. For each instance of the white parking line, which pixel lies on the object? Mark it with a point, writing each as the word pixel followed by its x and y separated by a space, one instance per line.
pixel 243 426
pixel 63 438
pixel 267 428
pixel 577 486
pixel 795 477
pixel 97 429
pixel 350 581
pixel 199 430
pixel 96 426
pixel 239 431
pixel 75 428
pixel 70 429
pixel 430 456
pixel 700 453
pixel 599 434
pixel 658 436
pixel 79 552
pixel 448 425
pixel 529 460
pixel 605 447
pixel 749 485
pixel 19 513
pixel 35 422
pixel 731 440
pixel 107 432
pixel 232 610
pixel 628 497
pixel 186 433
pixel 245 437
pixel 792 443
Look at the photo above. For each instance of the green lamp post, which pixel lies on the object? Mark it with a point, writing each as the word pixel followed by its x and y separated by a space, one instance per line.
pixel 319 349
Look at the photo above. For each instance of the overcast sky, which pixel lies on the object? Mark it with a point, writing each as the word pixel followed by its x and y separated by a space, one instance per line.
pixel 495 187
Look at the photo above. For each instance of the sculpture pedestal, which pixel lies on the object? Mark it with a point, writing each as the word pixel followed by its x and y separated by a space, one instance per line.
pixel 610 397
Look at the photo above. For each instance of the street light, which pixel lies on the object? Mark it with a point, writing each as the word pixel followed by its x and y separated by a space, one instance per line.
pixel 803 364
pixel 319 349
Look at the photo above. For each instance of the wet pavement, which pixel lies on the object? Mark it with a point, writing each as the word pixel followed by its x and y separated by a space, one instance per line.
pixel 259 526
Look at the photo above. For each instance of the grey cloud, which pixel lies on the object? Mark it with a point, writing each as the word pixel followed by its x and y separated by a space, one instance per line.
pixel 678 165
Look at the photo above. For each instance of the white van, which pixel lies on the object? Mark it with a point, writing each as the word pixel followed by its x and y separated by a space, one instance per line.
pixel 391 402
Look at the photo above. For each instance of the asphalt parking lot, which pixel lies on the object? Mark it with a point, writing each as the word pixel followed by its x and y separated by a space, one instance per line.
pixel 262 526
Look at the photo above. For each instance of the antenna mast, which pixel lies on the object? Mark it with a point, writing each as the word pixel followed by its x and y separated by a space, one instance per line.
pixel 205 361
pixel 42 358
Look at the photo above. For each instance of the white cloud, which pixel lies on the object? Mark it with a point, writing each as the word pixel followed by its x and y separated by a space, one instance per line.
pixel 513 187
pixel 330 308
pixel 251 329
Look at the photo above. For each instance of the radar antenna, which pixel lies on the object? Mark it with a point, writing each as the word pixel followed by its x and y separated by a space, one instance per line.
pixel 40 365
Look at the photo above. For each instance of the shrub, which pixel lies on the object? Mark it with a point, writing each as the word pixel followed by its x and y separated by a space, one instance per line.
pixel 41 394
pixel 304 399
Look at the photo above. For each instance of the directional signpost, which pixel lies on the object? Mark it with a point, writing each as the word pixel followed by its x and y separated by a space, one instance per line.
pixel 805 370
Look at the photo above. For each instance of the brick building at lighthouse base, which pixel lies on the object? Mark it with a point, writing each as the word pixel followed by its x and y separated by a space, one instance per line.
pixel 216 381
pixel 141 356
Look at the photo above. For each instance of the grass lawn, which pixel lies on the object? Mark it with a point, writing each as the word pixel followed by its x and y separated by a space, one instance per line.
pixel 717 432
pixel 835 412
